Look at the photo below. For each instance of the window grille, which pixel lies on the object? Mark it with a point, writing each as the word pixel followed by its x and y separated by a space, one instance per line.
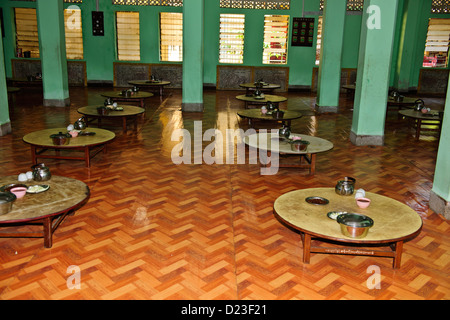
pixel 231 46
pixel 352 5
pixel 27 38
pixel 74 33
pixel 171 36
pixel 440 6
pixel 172 3
pixel 436 47
pixel 275 39
pixel 256 4
pixel 127 27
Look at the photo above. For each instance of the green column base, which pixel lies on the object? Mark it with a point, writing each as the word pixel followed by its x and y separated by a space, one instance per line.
pixel 366 140
pixel 5 129
pixel 192 107
pixel 57 102
pixel 439 205
pixel 323 109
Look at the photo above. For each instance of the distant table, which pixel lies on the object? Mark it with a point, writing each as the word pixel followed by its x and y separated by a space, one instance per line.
pixel 48 208
pixel 406 102
pixel 432 118
pixel 316 145
pixel 139 97
pixel 151 83
pixel 255 114
pixel 252 86
pixel 350 88
pixel 394 222
pixel 257 101
pixel 128 112
pixel 41 142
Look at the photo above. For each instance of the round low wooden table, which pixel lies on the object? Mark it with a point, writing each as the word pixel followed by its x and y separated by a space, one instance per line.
pixel 316 145
pixel 268 87
pixel 431 119
pixel 158 84
pixel 394 222
pixel 41 142
pixel 128 112
pixel 48 208
pixel 257 101
pixel 138 97
pixel 255 114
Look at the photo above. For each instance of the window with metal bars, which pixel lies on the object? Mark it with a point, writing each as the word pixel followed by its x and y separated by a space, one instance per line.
pixel 74 33
pixel 27 39
pixel 275 39
pixel 231 42
pixel 436 47
pixel 127 33
pixel 171 36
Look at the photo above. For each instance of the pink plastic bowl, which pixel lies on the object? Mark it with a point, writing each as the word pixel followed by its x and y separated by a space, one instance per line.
pixel 362 202
pixel 19 191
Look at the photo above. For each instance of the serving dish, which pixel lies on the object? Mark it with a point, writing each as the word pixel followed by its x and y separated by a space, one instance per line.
pixel 38 188
pixel 317 200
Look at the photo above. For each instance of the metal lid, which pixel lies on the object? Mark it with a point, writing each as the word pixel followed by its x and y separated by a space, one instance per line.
pixel 355 220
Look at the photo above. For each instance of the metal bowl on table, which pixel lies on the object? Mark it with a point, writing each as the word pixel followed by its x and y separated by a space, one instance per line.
pixel 354 225
pixel 6 202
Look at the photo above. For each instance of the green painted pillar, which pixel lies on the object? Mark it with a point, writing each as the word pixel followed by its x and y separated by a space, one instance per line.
pixel 374 63
pixel 329 79
pixel 440 193
pixel 408 45
pixel 193 24
pixel 52 47
pixel 5 123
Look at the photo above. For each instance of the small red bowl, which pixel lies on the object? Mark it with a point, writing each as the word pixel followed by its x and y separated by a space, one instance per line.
pixel 362 202
pixel 19 191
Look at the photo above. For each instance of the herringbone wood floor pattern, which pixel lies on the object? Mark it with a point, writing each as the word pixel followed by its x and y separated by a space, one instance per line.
pixel 156 230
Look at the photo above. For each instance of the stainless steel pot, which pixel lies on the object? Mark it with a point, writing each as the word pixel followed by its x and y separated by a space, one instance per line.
pixel 354 225
pixel 419 104
pixel 6 202
pixel 80 124
pixel 41 172
pixel 345 187
pixel 60 139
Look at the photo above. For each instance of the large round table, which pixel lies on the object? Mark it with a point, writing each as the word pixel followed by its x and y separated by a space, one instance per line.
pixel 135 97
pixel 40 142
pixel 128 112
pixel 394 222
pixel 252 86
pixel 271 143
pixel 48 208
pixel 159 84
pixel 255 114
pixel 258 101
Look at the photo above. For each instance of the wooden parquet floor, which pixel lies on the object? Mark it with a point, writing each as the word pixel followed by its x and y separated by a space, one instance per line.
pixel 156 230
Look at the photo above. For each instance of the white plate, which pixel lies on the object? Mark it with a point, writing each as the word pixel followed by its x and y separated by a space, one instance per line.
pixel 38 188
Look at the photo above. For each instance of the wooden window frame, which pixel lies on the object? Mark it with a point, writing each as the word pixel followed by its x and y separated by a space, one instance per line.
pixel 127 44
pixel 170 37
pixel 231 38
pixel 275 47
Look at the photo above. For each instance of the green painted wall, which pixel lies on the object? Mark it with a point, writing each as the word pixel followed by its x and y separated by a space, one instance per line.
pixel 100 52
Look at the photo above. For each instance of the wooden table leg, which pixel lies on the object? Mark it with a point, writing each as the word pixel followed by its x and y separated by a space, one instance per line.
pixel 87 157
pixel 306 248
pixel 312 168
pixel 33 154
pixel 47 232
pixel 418 126
pixel 124 123
pixel 398 254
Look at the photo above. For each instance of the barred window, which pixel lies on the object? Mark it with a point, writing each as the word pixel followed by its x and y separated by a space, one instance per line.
pixel 27 38
pixel 352 5
pixel 231 44
pixel 436 47
pixel 171 3
pixel 440 6
pixel 275 39
pixel 171 36
pixel 74 33
pixel 256 4
pixel 128 42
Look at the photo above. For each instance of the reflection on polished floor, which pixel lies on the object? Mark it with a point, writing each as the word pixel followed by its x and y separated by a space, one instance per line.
pixel 156 230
